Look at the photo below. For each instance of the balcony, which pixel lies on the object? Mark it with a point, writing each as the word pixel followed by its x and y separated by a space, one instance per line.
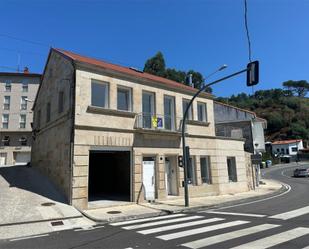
pixel 229 131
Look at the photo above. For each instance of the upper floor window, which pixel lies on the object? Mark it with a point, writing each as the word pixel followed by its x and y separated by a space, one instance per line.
pixel 148 109
pixel 22 121
pixel 231 169
pixel 23 141
pixel 23 103
pixel 7 102
pixel 205 170
pixel 124 99
pixel 201 112
pixel 60 101
pixel 185 104
pixel 8 86
pixel 5 121
pixel 99 94
pixel 169 112
pixel 25 86
pixel 6 140
pixel 48 112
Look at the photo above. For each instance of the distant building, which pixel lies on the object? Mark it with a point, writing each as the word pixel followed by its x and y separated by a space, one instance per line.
pixel 17 93
pixel 287 147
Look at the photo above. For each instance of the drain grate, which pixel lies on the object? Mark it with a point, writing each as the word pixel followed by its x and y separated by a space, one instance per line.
pixel 46 204
pixel 114 212
pixel 57 223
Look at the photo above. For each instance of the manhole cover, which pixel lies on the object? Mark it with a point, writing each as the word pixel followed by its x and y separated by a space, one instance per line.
pixel 114 212
pixel 46 204
pixel 56 223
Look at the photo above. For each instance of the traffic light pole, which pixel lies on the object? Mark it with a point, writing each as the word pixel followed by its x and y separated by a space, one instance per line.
pixel 184 154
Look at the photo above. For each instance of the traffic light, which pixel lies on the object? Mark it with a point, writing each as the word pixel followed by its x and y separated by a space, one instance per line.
pixel 253 73
pixel 180 161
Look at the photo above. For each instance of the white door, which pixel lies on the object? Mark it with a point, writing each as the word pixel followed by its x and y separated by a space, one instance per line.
pixel 170 177
pixel 2 159
pixel 149 180
pixel 22 158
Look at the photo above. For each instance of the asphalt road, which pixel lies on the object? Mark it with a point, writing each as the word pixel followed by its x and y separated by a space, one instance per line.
pixel 281 221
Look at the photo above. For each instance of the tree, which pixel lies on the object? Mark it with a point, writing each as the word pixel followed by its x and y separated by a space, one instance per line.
pixel 155 65
pixel 176 75
pixel 300 87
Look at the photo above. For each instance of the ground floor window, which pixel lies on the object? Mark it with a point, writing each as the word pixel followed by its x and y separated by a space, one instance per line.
pixel 205 169
pixel 191 172
pixel 231 168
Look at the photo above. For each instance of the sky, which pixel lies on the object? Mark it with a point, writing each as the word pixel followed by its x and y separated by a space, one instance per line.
pixel 192 34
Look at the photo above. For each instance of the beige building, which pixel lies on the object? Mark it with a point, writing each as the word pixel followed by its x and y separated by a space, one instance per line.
pixel 107 132
pixel 17 93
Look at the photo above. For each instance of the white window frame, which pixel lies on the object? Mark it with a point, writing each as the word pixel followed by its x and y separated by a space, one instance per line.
pixel 6 104
pixel 204 111
pixel 23 103
pixel 5 120
pixel 22 123
pixel 130 102
pixel 8 86
pixel 106 104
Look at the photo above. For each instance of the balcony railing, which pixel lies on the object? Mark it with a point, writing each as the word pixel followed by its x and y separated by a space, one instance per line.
pixel 149 121
pixel 228 131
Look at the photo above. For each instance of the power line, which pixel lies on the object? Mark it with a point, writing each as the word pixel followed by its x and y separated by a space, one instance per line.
pixel 25 40
pixel 247 31
pixel 20 51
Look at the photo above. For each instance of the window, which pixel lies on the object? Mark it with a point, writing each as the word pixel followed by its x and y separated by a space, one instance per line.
pixel 294 149
pixel 23 141
pixel 23 103
pixel 60 102
pixel 205 170
pixel 278 150
pixel 124 99
pixel 99 94
pixel 39 119
pixel 8 86
pixel 48 112
pixel 6 141
pixel 169 113
pixel 191 172
pixel 201 112
pixel 25 86
pixel 185 103
pixel 22 121
pixel 7 101
pixel 148 108
pixel 5 121
pixel 231 169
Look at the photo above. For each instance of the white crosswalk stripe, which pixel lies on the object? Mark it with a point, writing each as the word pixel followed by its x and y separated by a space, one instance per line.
pixel 275 239
pixel 235 214
pixel 181 225
pixel 201 230
pixel 228 236
pixel 291 214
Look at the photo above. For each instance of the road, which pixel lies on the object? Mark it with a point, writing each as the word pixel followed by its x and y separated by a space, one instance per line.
pixel 281 221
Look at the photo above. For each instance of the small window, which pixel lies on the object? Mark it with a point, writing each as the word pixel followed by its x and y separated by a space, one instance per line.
pixel 23 141
pixel 23 103
pixel 7 102
pixel 48 112
pixel 185 104
pixel 6 140
pixel 231 169
pixel 99 94
pixel 25 86
pixel 191 172
pixel 294 149
pixel 124 99
pixel 39 119
pixel 22 121
pixel 60 102
pixel 8 86
pixel 5 121
pixel 201 112
pixel 205 170
pixel 278 150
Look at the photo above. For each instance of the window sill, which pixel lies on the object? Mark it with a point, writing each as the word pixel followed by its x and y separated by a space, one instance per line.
pixel 101 110
pixel 199 123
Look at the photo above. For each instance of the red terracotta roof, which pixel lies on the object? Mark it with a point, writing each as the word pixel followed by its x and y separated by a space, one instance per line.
pixel 287 141
pixel 125 70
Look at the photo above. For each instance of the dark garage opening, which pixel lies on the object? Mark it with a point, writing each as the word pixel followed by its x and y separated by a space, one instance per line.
pixel 109 175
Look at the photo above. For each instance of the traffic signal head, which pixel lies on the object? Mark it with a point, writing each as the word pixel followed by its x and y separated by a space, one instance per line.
pixel 253 73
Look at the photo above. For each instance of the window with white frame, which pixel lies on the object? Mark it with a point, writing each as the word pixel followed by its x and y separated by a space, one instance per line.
pixel 23 103
pixel 294 149
pixel 25 85
pixel 124 98
pixel 60 101
pixel 22 121
pixel 7 102
pixel 205 169
pixel 8 86
pixel 231 169
pixel 185 103
pixel 201 112
pixel 99 94
pixel 191 172
pixel 47 112
pixel 5 121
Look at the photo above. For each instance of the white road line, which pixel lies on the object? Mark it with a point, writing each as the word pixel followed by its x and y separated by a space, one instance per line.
pixel 236 214
pixel 201 230
pixel 275 239
pixel 171 227
pixel 30 237
pixel 162 222
pixel 145 219
pixel 228 236
pixel 291 214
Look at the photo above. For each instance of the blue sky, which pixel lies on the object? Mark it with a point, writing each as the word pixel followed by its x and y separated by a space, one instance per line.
pixel 192 34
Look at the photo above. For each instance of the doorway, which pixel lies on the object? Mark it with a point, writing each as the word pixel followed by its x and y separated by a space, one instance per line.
pixel 149 178
pixel 171 176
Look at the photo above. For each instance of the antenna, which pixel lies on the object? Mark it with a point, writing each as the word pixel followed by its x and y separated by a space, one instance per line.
pixel 18 61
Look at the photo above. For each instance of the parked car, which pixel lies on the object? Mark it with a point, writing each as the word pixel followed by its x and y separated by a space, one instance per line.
pixel 301 172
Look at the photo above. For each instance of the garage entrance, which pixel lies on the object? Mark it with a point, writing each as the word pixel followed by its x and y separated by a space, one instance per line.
pixel 109 176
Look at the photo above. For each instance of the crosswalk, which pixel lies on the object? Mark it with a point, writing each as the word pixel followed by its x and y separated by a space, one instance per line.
pixel 199 231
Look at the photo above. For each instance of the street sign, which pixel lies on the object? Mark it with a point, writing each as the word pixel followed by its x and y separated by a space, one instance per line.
pixel 253 73
pixel 256 159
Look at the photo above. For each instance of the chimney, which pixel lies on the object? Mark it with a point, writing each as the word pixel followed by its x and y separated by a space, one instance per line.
pixel 26 70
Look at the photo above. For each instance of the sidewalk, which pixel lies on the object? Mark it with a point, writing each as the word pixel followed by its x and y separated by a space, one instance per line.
pixel 174 205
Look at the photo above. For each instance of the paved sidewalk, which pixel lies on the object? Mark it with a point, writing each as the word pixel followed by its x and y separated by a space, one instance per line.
pixel 174 205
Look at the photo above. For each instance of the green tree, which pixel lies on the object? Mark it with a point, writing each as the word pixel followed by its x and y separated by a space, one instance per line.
pixel 300 87
pixel 155 65
pixel 173 74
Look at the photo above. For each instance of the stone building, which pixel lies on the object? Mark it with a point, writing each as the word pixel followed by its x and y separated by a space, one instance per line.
pixel 107 132
pixel 17 93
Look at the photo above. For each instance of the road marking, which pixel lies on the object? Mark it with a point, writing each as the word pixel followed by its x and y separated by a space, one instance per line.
pixel 201 230
pixel 171 227
pixel 87 228
pixel 161 222
pixel 30 237
pixel 275 239
pixel 228 236
pixel 291 214
pixel 236 214
pixel 145 219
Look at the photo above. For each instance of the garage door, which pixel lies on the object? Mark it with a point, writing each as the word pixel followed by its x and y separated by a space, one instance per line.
pixel 2 159
pixel 22 158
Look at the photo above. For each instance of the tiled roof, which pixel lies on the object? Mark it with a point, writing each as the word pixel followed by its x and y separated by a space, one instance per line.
pixel 125 70
pixel 287 141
